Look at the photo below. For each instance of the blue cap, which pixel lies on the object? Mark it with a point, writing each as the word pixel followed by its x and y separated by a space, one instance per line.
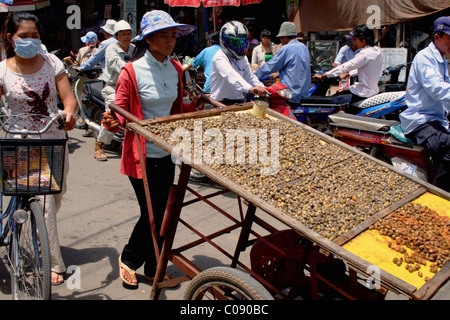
pixel 442 24
pixel 90 37
pixel 349 36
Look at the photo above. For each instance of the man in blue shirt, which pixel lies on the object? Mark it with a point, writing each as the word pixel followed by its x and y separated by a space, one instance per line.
pixel 348 51
pixel 204 59
pixel 96 58
pixel 292 61
pixel 425 121
pixel 99 55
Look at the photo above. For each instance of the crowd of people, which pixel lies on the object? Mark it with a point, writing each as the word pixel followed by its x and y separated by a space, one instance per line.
pixel 140 76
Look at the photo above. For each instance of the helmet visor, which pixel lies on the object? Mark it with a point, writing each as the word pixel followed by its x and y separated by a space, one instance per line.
pixel 239 45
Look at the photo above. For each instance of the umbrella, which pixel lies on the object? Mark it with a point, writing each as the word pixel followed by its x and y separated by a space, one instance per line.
pixel 22 5
pixel 209 3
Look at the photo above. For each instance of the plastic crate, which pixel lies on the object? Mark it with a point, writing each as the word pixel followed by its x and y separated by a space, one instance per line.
pixel 31 166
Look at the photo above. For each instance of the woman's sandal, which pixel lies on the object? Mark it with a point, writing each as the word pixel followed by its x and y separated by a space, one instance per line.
pixel 59 278
pixel 129 270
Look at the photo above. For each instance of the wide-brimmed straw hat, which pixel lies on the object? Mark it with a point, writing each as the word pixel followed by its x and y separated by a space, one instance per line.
pixel 156 20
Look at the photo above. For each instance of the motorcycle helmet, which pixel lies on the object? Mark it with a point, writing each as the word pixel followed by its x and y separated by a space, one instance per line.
pixel 234 39
pixel 122 25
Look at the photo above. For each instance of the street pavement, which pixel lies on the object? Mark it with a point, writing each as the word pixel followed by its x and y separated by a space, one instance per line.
pixel 97 216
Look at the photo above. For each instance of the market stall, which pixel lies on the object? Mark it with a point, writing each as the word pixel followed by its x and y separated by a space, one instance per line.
pixel 333 206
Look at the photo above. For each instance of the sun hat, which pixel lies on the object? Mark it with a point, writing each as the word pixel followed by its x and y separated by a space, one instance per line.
pixel 89 37
pixel 122 25
pixel 109 26
pixel 287 29
pixel 156 20
pixel 442 24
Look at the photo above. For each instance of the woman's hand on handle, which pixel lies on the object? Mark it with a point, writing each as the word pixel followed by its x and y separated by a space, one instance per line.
pixel 109 122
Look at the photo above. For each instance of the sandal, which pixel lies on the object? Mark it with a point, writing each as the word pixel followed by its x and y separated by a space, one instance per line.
pixel 129 270
pixel 58 279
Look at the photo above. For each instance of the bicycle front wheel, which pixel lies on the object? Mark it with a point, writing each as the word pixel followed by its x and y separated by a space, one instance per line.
pixel 30 257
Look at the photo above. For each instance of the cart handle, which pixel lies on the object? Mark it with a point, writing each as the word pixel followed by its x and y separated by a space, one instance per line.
pixel 132 118
pixel 127 115
pixel 213 102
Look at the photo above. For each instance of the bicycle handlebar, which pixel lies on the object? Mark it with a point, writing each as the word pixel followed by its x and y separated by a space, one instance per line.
pixel 56 118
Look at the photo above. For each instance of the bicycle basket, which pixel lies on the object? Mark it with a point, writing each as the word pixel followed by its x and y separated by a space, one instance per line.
pixel 31 166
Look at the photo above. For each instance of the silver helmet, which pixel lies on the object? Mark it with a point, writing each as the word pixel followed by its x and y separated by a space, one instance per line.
pixel 234 39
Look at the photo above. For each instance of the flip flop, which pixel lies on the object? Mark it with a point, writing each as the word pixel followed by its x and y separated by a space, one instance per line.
pixel 59 278
pixel 129 270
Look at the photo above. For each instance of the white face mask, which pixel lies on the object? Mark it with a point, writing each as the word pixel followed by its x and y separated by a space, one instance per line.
pixel 27 48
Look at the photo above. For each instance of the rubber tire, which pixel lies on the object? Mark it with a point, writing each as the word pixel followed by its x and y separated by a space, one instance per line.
pixel 231 278
pixel 21 242
pixel 322 126
pixel 197 176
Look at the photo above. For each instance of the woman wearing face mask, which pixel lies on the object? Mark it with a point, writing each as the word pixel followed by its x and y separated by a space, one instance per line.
pixel 30 79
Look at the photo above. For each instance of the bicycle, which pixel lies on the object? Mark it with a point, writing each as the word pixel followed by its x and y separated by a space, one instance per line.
pixel 29 168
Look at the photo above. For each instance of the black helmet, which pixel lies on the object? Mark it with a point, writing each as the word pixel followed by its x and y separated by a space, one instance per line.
pixel 234 39
pixel 214 38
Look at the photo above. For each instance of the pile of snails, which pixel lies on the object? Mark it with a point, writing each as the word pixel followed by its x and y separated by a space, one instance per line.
pixel 325 186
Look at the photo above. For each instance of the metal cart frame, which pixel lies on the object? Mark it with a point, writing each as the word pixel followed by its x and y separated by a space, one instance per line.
pixel 319 250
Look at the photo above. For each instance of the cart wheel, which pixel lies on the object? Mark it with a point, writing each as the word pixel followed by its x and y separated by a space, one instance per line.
pixel 322 126
pixel 197 176
pixel 225 283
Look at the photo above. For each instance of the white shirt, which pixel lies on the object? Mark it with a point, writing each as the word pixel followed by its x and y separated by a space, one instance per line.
pixel 367 65
pixel 114 62
pixel 259 54
pixel 230 78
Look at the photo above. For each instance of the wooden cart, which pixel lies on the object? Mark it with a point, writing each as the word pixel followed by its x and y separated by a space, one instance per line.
pixel 294 247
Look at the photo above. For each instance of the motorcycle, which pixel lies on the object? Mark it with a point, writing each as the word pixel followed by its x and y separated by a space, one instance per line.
pixel 316 109
pixel 312 111
pixel 384 140
pixel 92 106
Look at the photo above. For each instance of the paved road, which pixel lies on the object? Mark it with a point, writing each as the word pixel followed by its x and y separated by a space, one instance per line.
pixel 96 219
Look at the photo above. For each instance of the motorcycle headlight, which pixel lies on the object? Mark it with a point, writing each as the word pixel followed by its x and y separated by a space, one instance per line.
pixel 285 93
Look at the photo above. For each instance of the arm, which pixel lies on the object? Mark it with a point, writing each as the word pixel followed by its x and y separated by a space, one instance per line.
pixel 68 99
pixel 357 62
pixel 227 72
pixel 250 77
pixel 199 60
pixel 339 56
pixel 276 63
pixel 432 81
